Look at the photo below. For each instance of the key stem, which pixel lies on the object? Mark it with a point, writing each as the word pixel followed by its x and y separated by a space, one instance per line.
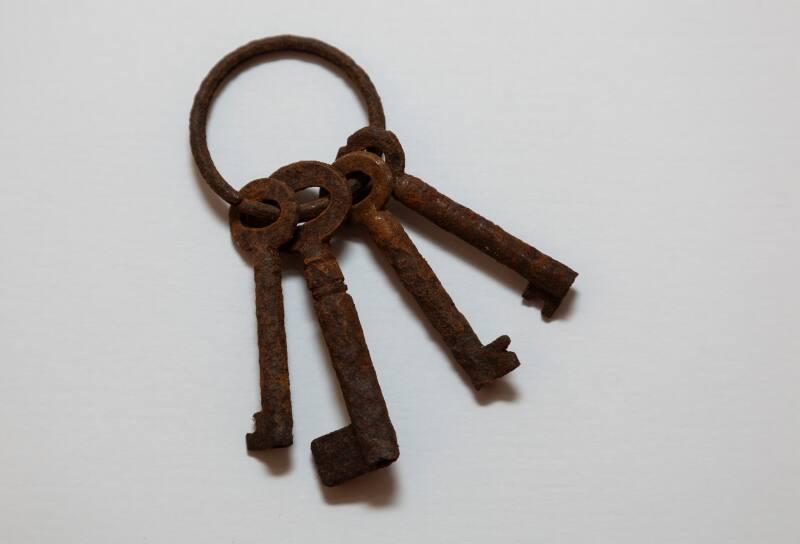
pixel 274 421
pixel 369 442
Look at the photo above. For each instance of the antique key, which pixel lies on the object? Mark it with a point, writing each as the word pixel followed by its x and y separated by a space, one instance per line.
pixel 547 278
pixel 369 442
pixel 483 364
pixel 260 244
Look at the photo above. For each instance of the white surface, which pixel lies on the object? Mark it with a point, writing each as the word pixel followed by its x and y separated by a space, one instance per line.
pixel 653 146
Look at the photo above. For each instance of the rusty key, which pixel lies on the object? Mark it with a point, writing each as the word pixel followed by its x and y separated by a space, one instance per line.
pixel 483 364
pixel 547 278
pixel 260 244
pixel 369 441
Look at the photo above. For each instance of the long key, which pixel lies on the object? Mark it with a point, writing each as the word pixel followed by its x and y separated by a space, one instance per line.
pixel 273 424
pixel 547 278
pixel 483 364
pixel 369 442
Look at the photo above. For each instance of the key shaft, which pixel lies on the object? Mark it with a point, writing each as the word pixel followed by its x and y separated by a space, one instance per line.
pixel 547 278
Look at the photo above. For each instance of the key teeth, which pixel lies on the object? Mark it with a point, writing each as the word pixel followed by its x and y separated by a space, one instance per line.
pixel 339 458
pixel 492 362
pixel 268 435
pixel 500 343
pixel 550 303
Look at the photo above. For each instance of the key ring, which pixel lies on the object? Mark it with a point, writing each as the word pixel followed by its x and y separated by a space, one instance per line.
pixel 370 166
pixel 225 67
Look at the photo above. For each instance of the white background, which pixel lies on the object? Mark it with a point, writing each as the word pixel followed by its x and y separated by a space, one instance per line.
pixel 652 146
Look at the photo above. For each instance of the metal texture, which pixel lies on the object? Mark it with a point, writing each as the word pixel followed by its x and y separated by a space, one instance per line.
pixel 260 244
pixel 241 56
pixel 369 442
pixel 547 278
pixel 483 364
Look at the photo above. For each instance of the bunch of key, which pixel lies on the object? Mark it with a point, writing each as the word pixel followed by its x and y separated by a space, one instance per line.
pixel 266 219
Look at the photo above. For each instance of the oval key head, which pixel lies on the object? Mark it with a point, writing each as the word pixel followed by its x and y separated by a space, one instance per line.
pixel 379 142
pixel 249 234
pixel 380 180
pixel 306 174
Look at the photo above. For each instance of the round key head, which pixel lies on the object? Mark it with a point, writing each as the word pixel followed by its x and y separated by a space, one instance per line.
pixel 380 142
pixel 379 176
pixel 252 235
pixel 306 174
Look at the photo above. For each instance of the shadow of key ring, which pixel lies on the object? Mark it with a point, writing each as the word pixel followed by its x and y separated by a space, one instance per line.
pixel 225 68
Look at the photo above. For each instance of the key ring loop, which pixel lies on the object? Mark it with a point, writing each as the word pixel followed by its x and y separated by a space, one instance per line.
pixel 225 67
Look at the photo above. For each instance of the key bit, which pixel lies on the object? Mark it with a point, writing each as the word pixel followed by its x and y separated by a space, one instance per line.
pixel 369 442
pixel 548 279
pixel 260 244
pixel 483 364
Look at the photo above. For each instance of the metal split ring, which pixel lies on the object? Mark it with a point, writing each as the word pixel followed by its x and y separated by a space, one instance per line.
pixel 225 67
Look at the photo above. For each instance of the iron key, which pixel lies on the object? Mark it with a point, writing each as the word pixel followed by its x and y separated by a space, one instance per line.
pixel 260 244
pixel 369 441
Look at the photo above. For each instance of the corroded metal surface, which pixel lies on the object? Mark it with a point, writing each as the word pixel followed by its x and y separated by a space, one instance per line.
pixel 369 442
pixel 264 217
pixel 260 244
pixel 483 364
pixel 547 278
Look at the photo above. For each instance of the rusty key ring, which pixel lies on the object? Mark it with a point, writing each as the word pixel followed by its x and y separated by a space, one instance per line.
pixel 225 67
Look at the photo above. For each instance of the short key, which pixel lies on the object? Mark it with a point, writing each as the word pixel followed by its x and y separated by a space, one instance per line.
pixel 547 278
pixel 260 244
pixel 483 364
pixel 369 442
